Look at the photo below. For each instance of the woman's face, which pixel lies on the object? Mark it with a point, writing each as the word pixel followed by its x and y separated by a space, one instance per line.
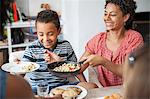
pixel 47 34
pixel 113 17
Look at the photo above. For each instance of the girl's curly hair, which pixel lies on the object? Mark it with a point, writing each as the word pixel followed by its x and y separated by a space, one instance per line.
pixel 127 7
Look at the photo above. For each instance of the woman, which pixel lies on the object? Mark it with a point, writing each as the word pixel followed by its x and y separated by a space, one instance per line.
pixel 107 50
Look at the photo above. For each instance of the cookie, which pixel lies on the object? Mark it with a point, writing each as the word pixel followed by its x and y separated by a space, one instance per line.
pixel 69 94
pixel 78 90
pixel 57 91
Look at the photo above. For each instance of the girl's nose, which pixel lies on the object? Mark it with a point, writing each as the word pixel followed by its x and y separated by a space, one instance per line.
pixel 46 38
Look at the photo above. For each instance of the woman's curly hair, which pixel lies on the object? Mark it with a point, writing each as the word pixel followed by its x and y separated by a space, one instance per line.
pixel 127 7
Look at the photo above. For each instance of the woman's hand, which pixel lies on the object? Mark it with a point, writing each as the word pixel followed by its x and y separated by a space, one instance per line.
pixel 94 60
pixel 51 57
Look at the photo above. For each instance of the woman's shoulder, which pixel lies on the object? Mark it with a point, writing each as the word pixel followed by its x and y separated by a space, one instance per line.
pixel 100 36
pixel 97 39
pixel 133 33
pixel 133 39
pixel 133 36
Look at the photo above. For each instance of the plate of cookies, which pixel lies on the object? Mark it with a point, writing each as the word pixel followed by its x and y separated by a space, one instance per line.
pixel 69 92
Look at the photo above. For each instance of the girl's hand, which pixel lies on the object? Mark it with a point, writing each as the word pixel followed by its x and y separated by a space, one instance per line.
pixel 17 60
pixel 51 57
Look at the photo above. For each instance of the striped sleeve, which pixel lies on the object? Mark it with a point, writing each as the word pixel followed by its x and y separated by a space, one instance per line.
pixel 28 55
pixel 71 53
pixel 67 51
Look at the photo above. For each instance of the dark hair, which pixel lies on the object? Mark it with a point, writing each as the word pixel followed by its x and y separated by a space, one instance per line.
pixel 127 7
pixel 47 16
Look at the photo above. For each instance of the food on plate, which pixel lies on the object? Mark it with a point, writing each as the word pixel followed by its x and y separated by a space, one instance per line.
pixel 29 67
pixel 78 90
pixel 67 67
pixel 57 91
pixel 67 93
pixel 113 96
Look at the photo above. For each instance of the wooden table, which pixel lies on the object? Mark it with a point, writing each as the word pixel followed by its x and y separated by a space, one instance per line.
pixel 101 92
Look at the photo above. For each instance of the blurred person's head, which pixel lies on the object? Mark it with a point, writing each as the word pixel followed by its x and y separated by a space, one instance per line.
pixel 48 28
pixel 119 13
pixel 137 74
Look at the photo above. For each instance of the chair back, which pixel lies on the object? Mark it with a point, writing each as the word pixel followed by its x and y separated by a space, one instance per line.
pixel 16 55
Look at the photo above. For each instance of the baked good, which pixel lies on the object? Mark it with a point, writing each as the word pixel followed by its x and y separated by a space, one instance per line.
pixel 69 94
pixel 57 91
pixel 78 90
pixel 113 96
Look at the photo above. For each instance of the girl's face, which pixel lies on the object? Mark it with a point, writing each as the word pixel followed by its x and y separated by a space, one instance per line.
pixel 47 34
pixel 113 17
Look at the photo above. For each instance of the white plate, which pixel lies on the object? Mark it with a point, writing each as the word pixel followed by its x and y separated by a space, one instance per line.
pixel 80 96
pixel 19 68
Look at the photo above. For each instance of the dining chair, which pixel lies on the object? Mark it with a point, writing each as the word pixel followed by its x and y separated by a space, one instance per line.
pixel 93 76
pixel 17 55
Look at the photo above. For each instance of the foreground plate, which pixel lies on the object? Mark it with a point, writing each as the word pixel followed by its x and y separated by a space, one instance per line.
pixel 21 68
pixel 80 96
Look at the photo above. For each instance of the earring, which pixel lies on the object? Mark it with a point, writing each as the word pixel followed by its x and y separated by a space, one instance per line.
pixel 124 23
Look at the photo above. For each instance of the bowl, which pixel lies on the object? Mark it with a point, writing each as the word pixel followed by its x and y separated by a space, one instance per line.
pixel 51 67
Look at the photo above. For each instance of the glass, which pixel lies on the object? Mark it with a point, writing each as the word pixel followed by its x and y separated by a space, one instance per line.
pixel 43 89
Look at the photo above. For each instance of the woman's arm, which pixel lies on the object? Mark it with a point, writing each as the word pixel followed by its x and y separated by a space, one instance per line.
pixel 115 68
pixel 95 60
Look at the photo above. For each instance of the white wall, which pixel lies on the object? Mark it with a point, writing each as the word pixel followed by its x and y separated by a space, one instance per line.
pixel 32 7
pixel 23 6
pixel 143 5
pixel 90 21
pixel 71 22
pixel 82 19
